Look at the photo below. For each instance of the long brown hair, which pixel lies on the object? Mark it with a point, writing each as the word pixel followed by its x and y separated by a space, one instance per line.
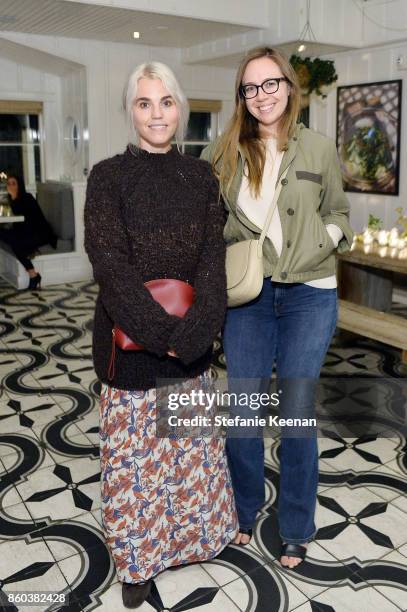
pixel 243 128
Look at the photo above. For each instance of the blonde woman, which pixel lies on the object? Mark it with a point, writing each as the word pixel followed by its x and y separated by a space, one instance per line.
pixel 153 213
pixel 291 323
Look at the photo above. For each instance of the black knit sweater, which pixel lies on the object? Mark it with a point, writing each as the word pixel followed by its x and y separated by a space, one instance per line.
pixel 149 216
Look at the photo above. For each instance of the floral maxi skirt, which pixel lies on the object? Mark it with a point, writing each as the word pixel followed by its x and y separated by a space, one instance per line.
pixel 165 501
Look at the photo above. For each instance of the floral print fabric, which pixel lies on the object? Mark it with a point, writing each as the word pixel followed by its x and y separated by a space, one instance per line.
pixel 165 501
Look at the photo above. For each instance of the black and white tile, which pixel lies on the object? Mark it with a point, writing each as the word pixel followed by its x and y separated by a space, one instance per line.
pixel 50 524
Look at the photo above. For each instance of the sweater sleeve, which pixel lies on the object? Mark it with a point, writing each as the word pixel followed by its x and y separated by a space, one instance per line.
pixel 196 332
pixel 121 289
pixel 334 206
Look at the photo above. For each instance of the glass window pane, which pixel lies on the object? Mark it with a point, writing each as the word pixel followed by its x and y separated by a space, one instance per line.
pixel 12 128
pixel 194 150
pixel 11 160
pixel 22 160
pixel 37 162
pixel 34 128
pixel 19 128
pixel 199 126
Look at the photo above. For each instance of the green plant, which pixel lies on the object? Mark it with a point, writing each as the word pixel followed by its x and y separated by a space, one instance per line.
pixel 374 223
pixel 369 150
pixel 314 73
pixel 402 221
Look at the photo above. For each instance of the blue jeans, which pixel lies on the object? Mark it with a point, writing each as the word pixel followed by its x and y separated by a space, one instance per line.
pixel 291 324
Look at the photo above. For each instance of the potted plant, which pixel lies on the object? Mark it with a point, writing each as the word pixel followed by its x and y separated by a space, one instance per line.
pixel 312 75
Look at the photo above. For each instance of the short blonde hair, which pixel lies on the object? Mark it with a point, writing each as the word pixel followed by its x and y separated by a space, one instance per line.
pixel 155 70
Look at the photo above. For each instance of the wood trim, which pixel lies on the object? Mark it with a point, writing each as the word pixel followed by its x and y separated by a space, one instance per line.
pixel 384 258
pixel 388 328
pixel 20 107
pixel 205 106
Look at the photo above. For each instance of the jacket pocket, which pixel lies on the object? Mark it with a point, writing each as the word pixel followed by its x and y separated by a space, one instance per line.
pixel 313 246
pixel 326 237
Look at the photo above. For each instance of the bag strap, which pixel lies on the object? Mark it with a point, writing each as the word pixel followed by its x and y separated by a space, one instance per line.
pixel 272 209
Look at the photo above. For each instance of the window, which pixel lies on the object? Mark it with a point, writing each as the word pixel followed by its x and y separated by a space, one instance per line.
pixel 20 139
pixel 202 126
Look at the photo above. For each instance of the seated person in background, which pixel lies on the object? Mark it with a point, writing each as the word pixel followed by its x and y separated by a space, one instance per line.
pixel 26 236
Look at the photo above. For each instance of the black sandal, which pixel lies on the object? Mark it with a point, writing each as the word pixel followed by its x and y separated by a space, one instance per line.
pixel 134 595
pixel 293 550
pixel 248 532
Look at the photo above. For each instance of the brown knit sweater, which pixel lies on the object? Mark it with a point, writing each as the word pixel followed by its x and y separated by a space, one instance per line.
pixel 149 216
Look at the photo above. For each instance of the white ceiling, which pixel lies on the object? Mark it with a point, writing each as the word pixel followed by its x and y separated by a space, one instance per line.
pixel 312 50
pixel 76 20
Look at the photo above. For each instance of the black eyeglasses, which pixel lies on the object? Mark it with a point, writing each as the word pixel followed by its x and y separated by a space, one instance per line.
pixel 269 86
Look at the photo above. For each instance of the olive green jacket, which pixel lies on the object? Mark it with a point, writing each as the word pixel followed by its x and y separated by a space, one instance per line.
pixel 311 197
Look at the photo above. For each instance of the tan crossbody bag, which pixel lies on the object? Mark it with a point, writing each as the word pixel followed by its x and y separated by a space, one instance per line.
pixel 244 262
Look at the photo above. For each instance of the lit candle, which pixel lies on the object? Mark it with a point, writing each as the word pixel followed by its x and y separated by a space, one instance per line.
pixel 401 243
pixel 383 237
pixel 367 237
pixel 394 237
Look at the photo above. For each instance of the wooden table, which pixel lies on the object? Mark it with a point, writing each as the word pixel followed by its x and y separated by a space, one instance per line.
pixel 365 274
pixel 365 287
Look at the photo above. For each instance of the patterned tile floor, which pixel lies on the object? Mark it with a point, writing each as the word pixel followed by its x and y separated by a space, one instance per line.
pixel 50 533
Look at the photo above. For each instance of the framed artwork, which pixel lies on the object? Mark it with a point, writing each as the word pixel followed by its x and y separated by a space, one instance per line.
pixel 368 136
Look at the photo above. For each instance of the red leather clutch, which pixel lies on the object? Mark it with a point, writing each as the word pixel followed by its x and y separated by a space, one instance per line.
pixel 175 296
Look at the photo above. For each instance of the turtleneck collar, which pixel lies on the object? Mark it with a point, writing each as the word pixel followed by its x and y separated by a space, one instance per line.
pixel 142 154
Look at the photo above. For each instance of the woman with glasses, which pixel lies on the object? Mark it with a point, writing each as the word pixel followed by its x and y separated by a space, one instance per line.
pixel 291 323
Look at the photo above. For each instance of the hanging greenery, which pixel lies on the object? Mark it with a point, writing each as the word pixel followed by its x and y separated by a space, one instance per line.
pixel 314 73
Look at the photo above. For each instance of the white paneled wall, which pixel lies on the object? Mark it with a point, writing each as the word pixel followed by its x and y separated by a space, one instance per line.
pixel 335 21
pixel 364 66
pixel 107 68
pixel 74 105
pixel 384 21
pixel 20 82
